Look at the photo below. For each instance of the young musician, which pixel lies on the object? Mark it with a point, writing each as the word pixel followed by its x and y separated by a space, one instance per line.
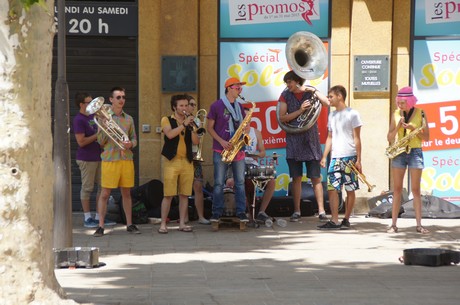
pixel 224 118
pixel 405 120
pixel 302 148
pixel 178 163
pixel 344 143
pixel 117 164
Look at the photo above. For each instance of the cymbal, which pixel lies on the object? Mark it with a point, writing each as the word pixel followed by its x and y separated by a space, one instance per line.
pixel 276 156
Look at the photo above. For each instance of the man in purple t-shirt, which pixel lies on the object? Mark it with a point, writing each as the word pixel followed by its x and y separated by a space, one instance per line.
pixel 88 157
pixel 224 119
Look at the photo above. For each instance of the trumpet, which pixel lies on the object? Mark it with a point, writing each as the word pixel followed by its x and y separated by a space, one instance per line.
pixel 200 131
pixel 361 176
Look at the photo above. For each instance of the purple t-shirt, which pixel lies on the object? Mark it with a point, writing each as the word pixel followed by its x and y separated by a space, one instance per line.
pixel 220 115
pixel 85 124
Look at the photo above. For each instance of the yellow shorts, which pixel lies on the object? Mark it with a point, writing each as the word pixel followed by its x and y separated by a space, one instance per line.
pixel 177 177
pixel 117 174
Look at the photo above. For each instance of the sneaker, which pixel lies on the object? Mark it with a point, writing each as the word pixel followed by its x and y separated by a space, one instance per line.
pixel 133 229
pixel 295 217
pixel 243 217
pixel 329 226
pixel 345 224
pixel 262 217
pixel 204 221
pixel 108 222
pixel 91 223
pixel 215 218
pixel 99 232
pixel 323 218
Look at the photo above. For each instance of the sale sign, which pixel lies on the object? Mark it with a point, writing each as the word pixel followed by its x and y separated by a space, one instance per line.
pixel 436 75
pixel 442 121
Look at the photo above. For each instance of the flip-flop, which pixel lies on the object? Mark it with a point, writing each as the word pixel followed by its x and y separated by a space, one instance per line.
pixel 186 229
pixel 163 231
pixel 422 230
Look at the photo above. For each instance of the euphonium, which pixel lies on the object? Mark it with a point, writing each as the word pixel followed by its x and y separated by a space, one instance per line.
pixel 361 176
pixel 239 139
pixel 307 56
pixel 104 121
pixel 201 116
pixel 309 117
pixel 402 145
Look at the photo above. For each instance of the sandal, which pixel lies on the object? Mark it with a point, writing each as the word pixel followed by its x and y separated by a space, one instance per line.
pixel 163 231
pixel 392 229
pixel 422 230
pixel 186 229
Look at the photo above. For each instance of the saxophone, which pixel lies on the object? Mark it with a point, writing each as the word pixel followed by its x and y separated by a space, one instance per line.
pixel 239 139
pixel 402 145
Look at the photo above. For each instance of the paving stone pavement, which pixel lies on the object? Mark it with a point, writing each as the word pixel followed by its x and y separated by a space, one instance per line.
pixel 294 265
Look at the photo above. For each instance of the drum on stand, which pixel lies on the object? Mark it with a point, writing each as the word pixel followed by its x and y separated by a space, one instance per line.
pixel 260 172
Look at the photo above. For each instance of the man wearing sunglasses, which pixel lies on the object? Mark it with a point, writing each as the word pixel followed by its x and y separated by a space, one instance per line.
pixel 117 164
pixel 224 118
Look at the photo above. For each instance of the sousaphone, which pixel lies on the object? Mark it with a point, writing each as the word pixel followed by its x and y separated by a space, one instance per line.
pixel 307 57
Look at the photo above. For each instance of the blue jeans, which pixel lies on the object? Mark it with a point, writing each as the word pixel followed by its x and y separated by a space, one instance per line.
pixel 220 171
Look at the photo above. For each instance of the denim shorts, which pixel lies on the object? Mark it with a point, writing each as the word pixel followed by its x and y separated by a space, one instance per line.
pixel 414 159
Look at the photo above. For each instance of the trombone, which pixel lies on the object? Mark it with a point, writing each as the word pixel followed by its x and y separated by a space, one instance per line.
pixel 361 176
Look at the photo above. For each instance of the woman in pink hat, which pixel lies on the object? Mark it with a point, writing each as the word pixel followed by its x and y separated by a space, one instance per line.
pixel 405 120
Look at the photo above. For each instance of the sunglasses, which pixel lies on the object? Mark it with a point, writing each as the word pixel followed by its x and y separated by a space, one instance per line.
pixel 121 97
pixel 192 104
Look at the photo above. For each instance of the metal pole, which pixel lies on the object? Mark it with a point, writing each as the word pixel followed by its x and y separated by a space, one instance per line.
pixel 61 144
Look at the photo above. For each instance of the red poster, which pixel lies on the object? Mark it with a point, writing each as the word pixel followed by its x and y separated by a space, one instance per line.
pixel 443 124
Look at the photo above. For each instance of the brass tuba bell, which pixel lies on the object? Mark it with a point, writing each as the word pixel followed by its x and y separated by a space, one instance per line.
pixel 306 55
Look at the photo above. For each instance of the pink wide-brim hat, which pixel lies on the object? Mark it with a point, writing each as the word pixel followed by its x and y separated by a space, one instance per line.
pixel 407 94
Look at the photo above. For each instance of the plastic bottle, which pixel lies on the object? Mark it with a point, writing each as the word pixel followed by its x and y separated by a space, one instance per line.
pixel 281 222
pixel 268 223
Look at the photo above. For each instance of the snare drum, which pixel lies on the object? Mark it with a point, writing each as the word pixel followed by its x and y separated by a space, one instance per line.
pixel 260 172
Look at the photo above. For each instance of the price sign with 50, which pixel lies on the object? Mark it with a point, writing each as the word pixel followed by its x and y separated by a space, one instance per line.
pixel 444 126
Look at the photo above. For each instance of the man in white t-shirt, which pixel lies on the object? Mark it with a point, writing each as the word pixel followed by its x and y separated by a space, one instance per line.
pixel 344 143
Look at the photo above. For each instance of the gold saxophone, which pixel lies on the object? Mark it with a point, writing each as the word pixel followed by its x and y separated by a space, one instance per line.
pixel 239 139
pixel 402 145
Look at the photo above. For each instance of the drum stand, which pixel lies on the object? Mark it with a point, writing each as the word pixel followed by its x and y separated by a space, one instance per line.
pixel 260 184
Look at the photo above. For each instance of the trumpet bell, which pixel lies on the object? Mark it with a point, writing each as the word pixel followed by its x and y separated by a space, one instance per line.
pixel 306 55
